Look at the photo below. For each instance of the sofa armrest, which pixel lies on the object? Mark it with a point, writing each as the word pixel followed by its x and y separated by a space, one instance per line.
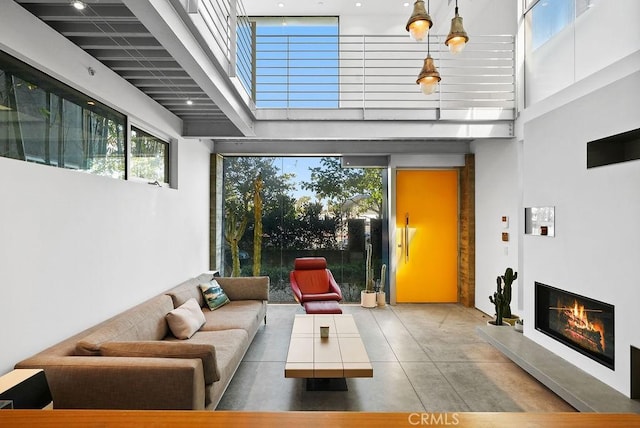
pixel 245 288
pixel 167 349
pixel 85 382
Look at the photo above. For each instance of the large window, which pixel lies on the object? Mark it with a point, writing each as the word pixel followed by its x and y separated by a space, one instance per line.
pixel 277 209
pixel 47 122
pixel 297 62
pixel 149 157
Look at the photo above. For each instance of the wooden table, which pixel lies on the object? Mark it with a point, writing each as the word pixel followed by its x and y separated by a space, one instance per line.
pixel 194 418
pixel 341 355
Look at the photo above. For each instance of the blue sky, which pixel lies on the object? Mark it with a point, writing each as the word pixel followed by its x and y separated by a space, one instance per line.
pixel 300 167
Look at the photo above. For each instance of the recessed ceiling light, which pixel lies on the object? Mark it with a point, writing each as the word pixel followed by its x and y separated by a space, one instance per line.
pixel 91 102
pixel 405 4
pixel 189 102
pixel 280 4
pixel 78 5
pixel 358 4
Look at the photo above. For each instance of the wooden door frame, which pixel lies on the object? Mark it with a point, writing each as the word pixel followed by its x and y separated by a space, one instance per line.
pixel 466 232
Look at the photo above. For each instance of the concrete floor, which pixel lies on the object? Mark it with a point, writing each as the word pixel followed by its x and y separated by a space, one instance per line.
pixel 426 358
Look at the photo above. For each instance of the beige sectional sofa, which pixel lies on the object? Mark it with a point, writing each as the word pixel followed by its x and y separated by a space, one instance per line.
pixel 132 361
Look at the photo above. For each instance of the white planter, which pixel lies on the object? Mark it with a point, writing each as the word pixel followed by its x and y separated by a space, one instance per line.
pixel 381 297
pixel 367 300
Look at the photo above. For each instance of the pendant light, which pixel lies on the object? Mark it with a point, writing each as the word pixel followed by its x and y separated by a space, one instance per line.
pixel 429 77
pixel 457 38
pixel 419 22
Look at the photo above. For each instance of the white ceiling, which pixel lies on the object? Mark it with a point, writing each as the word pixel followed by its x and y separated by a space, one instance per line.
pixel 484 15
pixel 327 7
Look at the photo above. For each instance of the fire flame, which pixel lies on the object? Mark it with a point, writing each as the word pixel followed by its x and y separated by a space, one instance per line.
pixel 580 314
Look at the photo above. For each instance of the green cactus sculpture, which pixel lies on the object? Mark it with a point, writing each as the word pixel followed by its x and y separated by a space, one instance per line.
pixel 507 279
pixel 369 280
pixel 498 301
pixel 502 297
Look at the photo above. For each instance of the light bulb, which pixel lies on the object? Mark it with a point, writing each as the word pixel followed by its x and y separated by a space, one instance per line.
pixel 418 30
pixel 457 44
pixel 428 85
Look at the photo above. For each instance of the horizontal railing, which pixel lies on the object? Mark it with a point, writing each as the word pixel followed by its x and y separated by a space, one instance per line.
pixel 362 72
pixel 372 72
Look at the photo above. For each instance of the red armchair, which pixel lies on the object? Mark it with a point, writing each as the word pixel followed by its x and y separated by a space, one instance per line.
pixel 311 281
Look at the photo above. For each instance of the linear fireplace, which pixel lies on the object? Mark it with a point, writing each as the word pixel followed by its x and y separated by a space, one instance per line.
pixel 579 322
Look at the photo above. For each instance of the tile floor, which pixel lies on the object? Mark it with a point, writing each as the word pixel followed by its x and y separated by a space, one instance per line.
pixel 426 358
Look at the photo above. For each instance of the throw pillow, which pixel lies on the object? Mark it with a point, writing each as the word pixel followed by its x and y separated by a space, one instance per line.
pixel 186 319
pixel 167 349
pixel 214 295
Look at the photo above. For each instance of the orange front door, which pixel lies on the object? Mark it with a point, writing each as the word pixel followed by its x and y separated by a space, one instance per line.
pixel 427 236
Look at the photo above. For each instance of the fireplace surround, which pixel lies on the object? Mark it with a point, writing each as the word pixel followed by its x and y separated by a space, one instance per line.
pixel 581 323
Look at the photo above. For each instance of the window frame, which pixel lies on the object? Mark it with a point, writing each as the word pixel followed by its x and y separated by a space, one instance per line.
pixel 136 127
pixel 67 97
pixel 88 106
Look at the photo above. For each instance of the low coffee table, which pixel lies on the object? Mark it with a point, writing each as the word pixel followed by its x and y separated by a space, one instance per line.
pixel 339 356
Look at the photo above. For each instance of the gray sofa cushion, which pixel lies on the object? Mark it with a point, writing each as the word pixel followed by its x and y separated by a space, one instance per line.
pixel 143 322
pixel 188 289
pixel 230 348
pixel 167 349
pixel 244 314
pixel 245 288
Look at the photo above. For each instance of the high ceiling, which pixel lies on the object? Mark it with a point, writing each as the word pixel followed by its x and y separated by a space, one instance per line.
pixel 111 33
pixel 397 10
pixel 124 36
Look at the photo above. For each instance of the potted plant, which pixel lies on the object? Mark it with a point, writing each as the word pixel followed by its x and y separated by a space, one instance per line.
pixel 368 295
pixel 507 281
pixel 501 299
pixel 381 296
pixel 497 299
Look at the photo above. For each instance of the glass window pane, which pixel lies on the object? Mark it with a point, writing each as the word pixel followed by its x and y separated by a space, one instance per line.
pixel 297 62
pixel 549 17
pixel 44 121
pixel 149 157
pixel 307 207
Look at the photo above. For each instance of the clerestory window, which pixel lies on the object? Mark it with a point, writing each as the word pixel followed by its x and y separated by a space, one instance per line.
pixel 45 121
pixel 149 157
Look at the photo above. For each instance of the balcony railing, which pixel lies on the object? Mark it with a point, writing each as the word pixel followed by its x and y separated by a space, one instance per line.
pixel 364 72
pixel 379 72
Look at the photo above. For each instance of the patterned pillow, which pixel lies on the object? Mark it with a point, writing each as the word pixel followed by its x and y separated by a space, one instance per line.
pixel 214 295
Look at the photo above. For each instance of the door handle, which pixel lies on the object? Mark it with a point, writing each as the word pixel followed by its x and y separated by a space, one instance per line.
pixel 406 238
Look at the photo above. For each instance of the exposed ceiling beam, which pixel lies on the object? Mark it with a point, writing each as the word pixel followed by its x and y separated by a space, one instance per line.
pixel 298 147
pixel 168 26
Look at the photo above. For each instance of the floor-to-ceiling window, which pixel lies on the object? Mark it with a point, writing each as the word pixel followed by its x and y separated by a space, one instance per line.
pixel 280 208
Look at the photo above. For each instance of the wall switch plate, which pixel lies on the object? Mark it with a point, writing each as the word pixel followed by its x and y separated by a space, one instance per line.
pixel 505 236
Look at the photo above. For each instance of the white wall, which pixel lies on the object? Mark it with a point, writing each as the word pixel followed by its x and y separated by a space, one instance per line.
pixel 603 34
pixel 595 250
pixel 479 17
pixel 77 248
pixel 497 194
